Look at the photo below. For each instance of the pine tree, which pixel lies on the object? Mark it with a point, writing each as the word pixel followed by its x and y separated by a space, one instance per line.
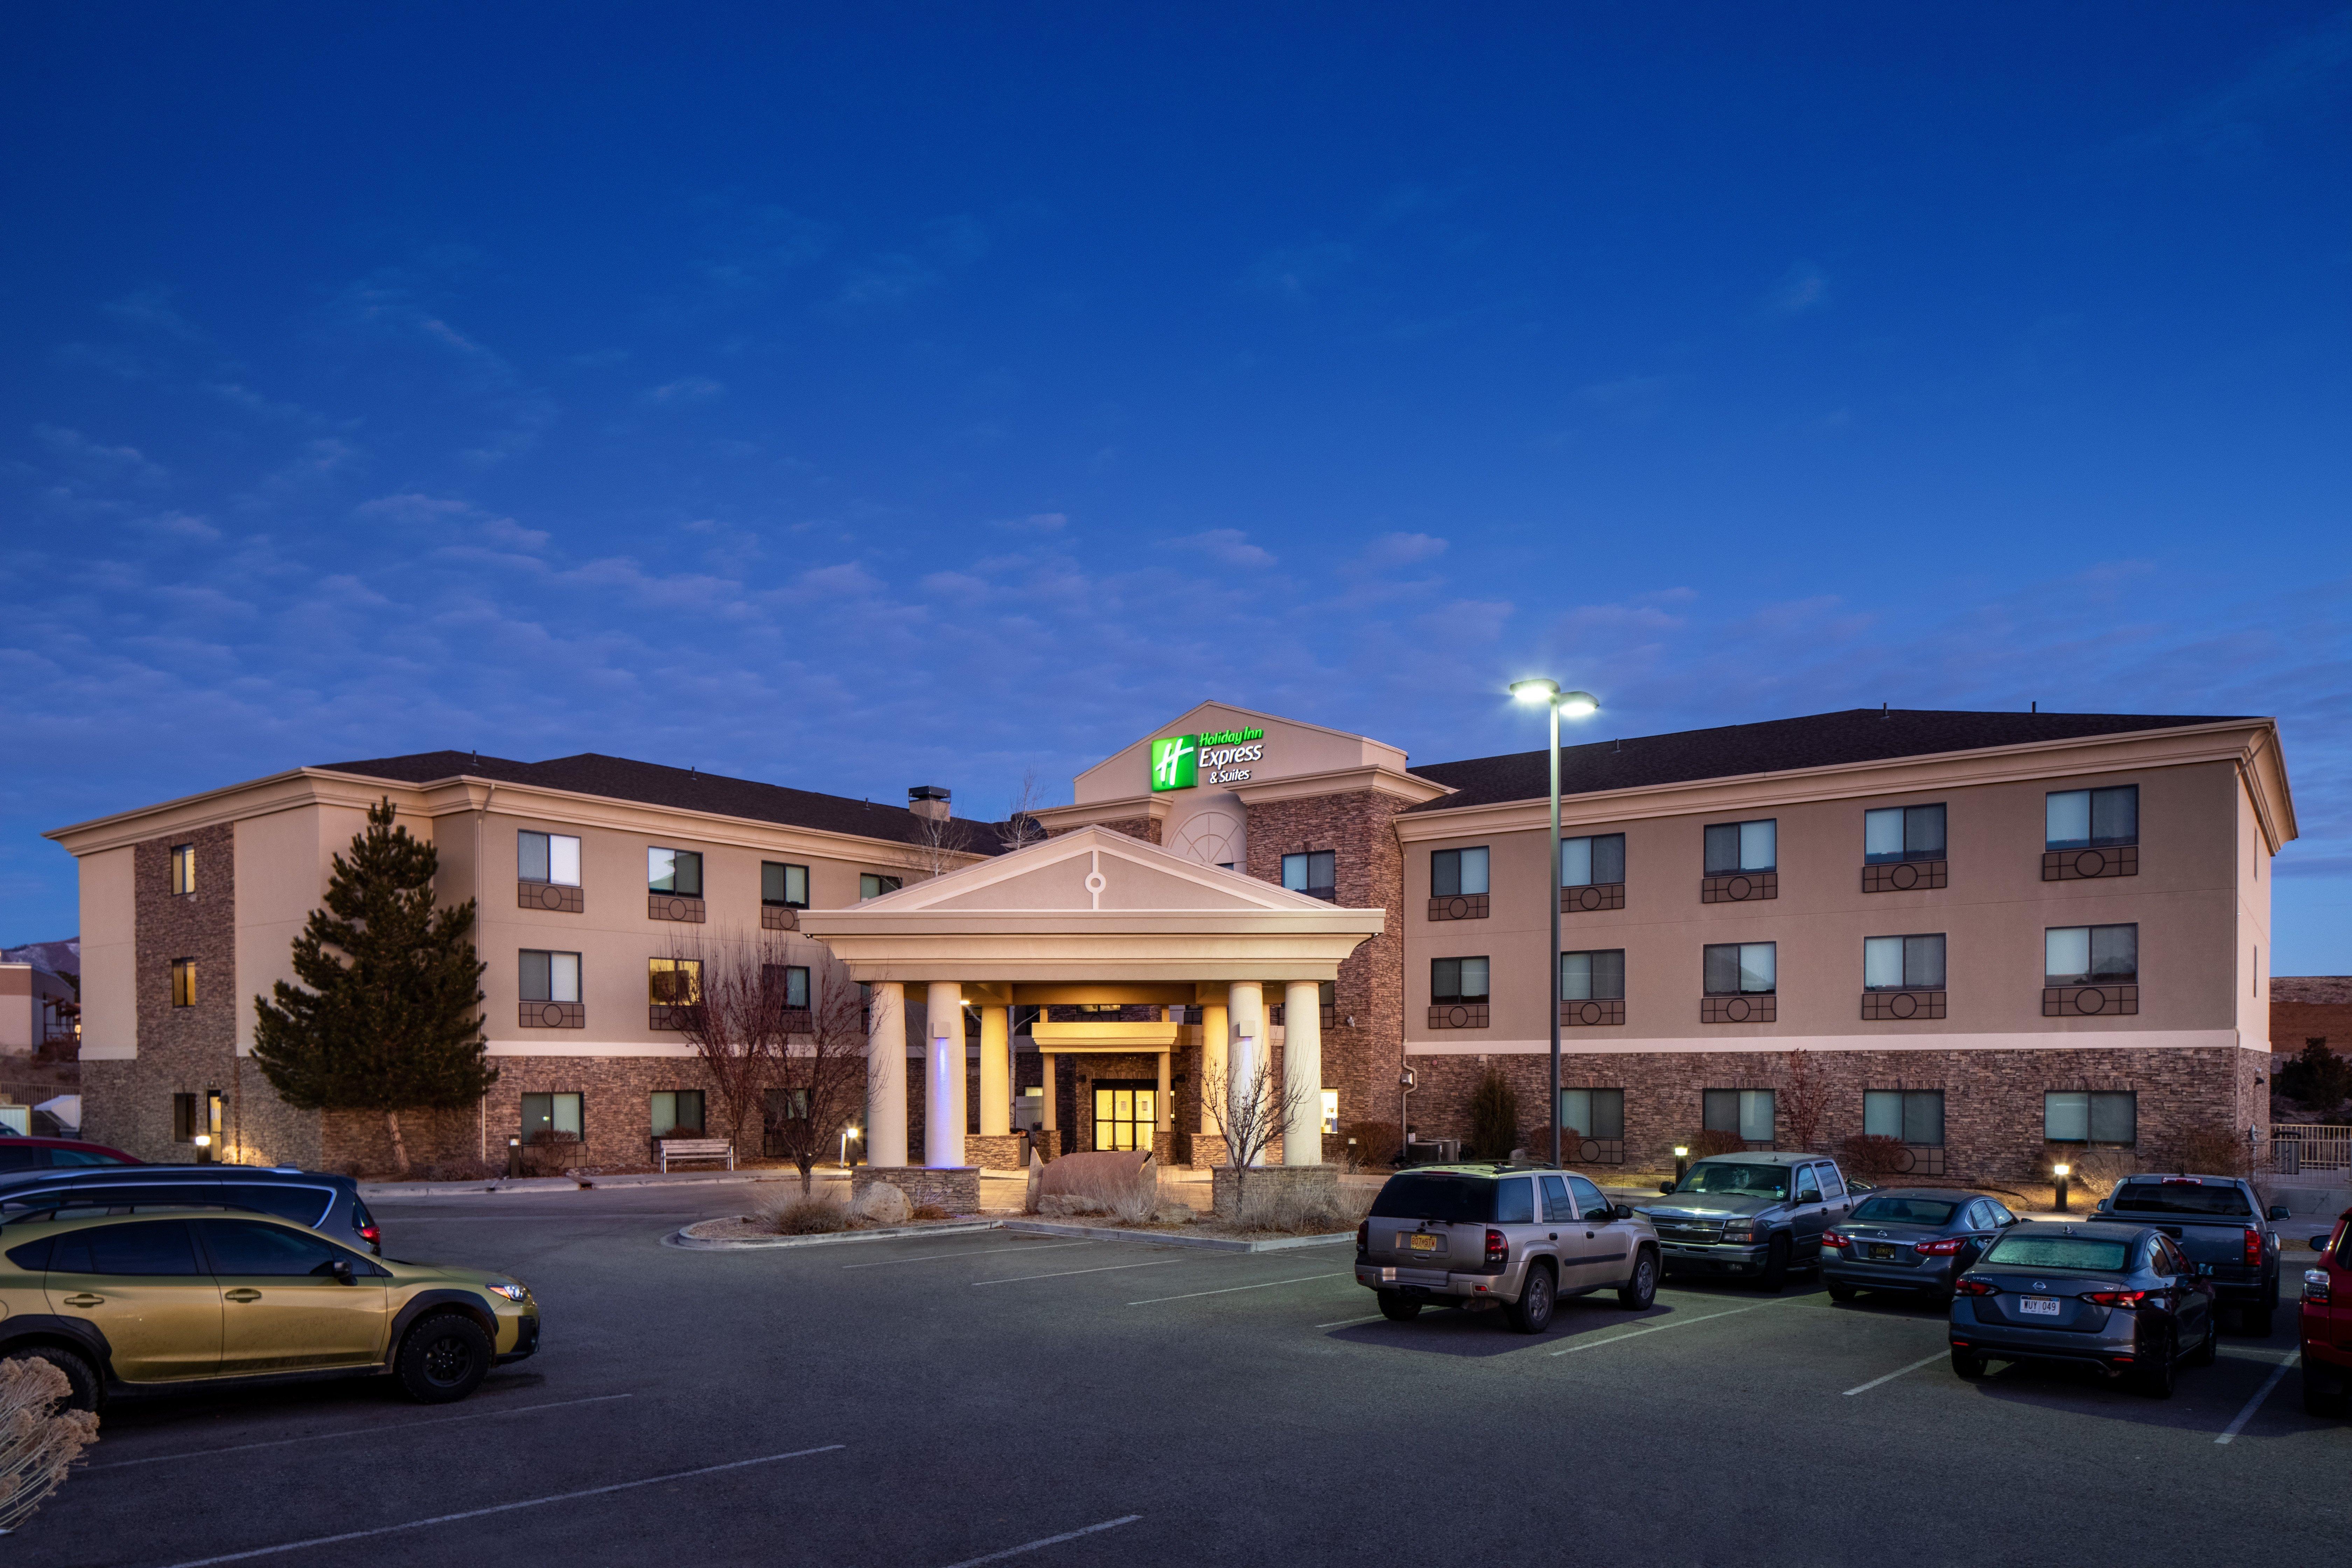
pixel 1495 1118
pixel 389 1021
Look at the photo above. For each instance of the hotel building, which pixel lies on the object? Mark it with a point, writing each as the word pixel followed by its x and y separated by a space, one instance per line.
pixel 1996 938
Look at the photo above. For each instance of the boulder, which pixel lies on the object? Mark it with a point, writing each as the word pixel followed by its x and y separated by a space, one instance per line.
pixel 883 1203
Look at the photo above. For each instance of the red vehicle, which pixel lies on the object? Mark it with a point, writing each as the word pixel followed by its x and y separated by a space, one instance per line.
pixel 2327 1321
pixel 20 1153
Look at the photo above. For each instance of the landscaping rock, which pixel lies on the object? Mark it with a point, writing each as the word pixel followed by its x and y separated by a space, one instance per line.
pixel 882 1204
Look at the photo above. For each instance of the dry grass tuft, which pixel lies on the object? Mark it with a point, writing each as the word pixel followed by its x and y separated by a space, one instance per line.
pixel 929 1210
pixel 1288 1211
pixel 38 1441
pixel 796 1216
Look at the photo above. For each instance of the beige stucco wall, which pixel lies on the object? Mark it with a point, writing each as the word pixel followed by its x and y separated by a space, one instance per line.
pixel 110 1004
pixel 2187 902
pixel 284 862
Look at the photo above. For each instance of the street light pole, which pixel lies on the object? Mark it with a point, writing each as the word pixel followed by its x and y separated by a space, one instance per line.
pixel 1548 693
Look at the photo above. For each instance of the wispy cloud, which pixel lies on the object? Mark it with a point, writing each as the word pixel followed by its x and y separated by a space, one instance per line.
pixel 686 389
pixel 1803 288
pixel 1227 546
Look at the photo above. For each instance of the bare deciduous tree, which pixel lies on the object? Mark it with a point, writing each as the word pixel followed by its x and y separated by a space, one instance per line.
pixel 1021 828
pixel 1251 1111
pixel 730 998
pixel 820 1085
pixel 1805 1099
pixel 38 1440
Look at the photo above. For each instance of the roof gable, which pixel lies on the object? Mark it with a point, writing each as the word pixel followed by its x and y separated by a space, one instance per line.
pixel 1092 869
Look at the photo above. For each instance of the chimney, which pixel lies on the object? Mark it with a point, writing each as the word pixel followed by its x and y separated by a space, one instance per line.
pixel 928 800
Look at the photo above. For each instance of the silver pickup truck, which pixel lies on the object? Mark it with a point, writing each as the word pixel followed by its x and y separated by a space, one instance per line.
pixel 1473 1235
pixel 2217 1220
pixel 1758 1215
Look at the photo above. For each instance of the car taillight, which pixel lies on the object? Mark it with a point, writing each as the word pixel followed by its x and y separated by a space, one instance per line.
pixel 2314 1285
pixel 2253 1247
pixel 2125 1299
pixel 1976 1288
pixel 1498 1247
pixel 1943 1248
pixel 370 1234
pixel 1363 1236
pixel 1831 1238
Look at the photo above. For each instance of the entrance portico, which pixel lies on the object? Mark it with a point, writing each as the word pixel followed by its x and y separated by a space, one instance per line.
pixel 1091 918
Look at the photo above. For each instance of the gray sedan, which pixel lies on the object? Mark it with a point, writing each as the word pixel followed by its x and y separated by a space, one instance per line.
pixel 1915 1239
pixel 2121 1297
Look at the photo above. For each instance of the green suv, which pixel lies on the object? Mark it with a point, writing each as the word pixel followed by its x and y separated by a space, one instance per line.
pixel 154 1297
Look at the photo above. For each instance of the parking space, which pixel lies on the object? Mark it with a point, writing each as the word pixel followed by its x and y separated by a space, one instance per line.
pixel 942 1401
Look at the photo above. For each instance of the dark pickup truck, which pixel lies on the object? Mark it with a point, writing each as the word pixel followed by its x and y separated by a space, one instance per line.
pixel 2217 1220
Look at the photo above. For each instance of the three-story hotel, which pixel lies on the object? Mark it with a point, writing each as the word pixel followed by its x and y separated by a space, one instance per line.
pixel 1999 938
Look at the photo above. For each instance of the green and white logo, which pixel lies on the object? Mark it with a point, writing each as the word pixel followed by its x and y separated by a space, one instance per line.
pixel 1176 762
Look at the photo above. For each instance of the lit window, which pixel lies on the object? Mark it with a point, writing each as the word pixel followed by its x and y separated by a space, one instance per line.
pixel 549 976
pixel 183 983
pixel 784 886
pixel 1897 833
pixel 1741 968
pixel 1736 847
pixel 1903 962
pixel 1331 1111
pixel 548 857
pixel 1593 862
pixel 184 868
pixel 673 982
pixel 678 871
pixel 1452 872
pixel 2093 818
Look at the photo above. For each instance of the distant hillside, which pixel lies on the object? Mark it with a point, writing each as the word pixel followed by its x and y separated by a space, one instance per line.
pixel 62 957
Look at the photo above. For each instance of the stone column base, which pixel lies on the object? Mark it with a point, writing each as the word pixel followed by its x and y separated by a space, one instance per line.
pixel 955 1188
pixel 1225 1188
pixel 996 1154
pixel 1208 1149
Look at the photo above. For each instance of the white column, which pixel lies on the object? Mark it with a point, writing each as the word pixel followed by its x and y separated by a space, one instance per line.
pixel 943 1084
pixel 1045 1121
pixel 885 1076
pixel 1302 1066
pixel 1165 1107
pixel 995 1072
pixel 1215 1032
pixel 1246 1002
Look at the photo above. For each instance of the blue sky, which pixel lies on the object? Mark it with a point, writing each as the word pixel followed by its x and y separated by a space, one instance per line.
pixel 855 399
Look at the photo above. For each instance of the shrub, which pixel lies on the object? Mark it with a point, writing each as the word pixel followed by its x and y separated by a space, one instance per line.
pixel 2317 1077
pixel 1376 1142
pixel 2096 1171
pixel 1493 1118
pixel 683 1131
pixel 1712 1140
pixel 2213 1150
pixel 1293 1211
pixel 929 1210
pixel 1874 1156
pixel 797 1215
pixel 38 1439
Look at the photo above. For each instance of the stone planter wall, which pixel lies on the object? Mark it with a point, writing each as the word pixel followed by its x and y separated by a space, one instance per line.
pixel 955 1188
pixel 1224 1187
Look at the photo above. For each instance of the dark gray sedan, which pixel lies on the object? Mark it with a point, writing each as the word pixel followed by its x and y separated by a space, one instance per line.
pixel 1915 1239
pixel 2121 1297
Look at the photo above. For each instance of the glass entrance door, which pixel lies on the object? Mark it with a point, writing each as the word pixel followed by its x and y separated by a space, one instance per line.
pixel 1126 1114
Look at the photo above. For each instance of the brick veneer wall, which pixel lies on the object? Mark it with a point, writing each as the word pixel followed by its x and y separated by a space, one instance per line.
pixel 2311 1007
pixel 1144 827
pixel 1362 1061
pixel 1992 1098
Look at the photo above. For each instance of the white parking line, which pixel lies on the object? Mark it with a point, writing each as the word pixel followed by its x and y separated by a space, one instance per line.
pixel 1343 1322
pixel 1049 1540
pixel 1266 1285
pixel 1106 1268
pixel 1676 1323
pixel 1899 1372
pixel 2277 1373
pixel 389 1431
pixel 982 1252
pixel 501 1507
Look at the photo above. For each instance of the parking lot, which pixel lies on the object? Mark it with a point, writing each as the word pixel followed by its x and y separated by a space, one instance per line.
pixel 933 1402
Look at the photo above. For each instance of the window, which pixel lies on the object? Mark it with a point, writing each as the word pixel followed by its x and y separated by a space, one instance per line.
pixel 183 983
pixel 1746 1112
pixel 793 979
pixel 1741 968
pixel 1736 847
pixel 2091 955
pixel 673 982
pixel 678 1114
pixel 1809 1186
pixel 549 976
pixel 184 1119
pixel 184 868
pixel 154 1247
pixel 873 884
pixel 1903 962
pixel 1330 1097
pixel 249 1247
pixel 552 857
pixel 783 885
pixel 1595 1208
pixel 1592 1112
pixel 1593 976
pixel 1594 861
pixel 2091 819
pixel 1515 1201
pixel 1555 1206
pixel 1452 872
pixel 1452 980
pixel 2075 1116
pixel 1911 1115
pixel 1898 833
pixel 546 1117
pixel 678 871
pixel 1316 874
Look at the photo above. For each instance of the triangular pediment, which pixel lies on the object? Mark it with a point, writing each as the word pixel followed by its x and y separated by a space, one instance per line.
pixel 1092 870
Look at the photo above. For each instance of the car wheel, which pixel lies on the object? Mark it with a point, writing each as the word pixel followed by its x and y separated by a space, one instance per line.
pixel 88 1390
pixel 1643 1289
pixel 2210 1347
pixel 2157 1374
pixel 1965 1365
pixel 1396 1308
pixel 1775 1265
pixel 1531 1313
pixel 445 1357
pixel 1841 1292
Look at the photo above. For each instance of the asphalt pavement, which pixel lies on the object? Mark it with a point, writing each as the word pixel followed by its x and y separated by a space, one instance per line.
pixel 943 1402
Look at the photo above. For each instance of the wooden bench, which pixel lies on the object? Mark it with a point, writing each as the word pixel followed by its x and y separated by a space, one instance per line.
pixel 694 1149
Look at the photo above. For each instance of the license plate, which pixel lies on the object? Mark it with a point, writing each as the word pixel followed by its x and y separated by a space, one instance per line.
pixel 1422 1243
pixel 1878 1251
pixel 2039 1306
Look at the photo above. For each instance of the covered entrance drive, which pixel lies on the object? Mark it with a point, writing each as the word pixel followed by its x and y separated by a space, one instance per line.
pixel 1092 918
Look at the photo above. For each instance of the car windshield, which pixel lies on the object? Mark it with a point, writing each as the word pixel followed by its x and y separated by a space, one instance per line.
pixel 1434 1195
pixel 2180 1198
pixel 2090 1253
pixel 1905 1211
pixel 1746 1181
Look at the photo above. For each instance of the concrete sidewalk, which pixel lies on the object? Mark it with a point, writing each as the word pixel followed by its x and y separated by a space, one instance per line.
pixel 573 1185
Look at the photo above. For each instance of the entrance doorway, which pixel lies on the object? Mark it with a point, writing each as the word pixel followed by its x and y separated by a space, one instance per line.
pixel 1126 1112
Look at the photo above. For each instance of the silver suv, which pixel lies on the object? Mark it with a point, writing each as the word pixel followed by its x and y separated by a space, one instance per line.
pixel 1479 1236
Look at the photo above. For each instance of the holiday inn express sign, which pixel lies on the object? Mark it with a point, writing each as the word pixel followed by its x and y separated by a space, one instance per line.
pixel 1180 762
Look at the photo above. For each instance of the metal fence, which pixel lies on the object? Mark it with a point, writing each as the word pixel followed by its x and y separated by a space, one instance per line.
pixel 2297 1148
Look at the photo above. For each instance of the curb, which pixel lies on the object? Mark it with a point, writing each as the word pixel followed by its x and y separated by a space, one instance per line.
pixel 563 1185
pixel 678 1238
pixel 1174 1238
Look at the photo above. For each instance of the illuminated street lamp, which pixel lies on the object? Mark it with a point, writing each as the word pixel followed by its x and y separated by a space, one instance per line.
pixel 2062 1171
pixel 1576 705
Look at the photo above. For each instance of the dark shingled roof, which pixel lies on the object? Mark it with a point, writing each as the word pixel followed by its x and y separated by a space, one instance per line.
pixel 652 783
pixel 1777 745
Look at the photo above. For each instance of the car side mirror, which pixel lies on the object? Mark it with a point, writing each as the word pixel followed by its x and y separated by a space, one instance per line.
pixel 2318 1243
pixel 2280 1211
pixel 1622 1211
pixel 1665 1187
pixel 342 1270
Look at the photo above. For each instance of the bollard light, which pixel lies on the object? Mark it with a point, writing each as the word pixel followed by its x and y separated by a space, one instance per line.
pixel 1682 1163
pixel 2062 1171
